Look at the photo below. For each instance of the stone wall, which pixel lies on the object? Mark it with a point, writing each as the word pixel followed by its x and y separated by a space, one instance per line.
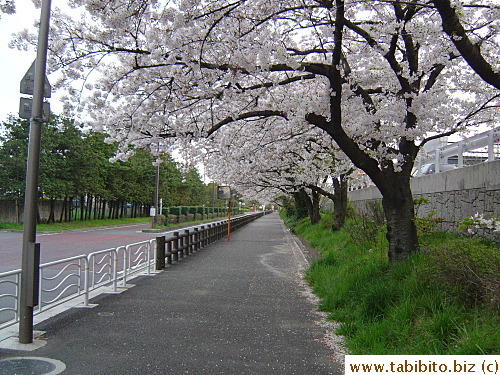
pixel 11 210
pixel 453 195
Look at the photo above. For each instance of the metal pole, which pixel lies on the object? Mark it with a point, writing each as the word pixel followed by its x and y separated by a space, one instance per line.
pixel 156 194
pixel 31 193
pixel 229 219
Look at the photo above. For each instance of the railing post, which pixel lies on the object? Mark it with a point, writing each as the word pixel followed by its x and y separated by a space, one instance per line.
pixel 169 252
pixel 182 245
pixel 196 239
pixel 491 145
pixel 148 256
pixel 86 286
pixel 115 270
pixel 461 154
pixel 202 236
pixel 176 246
pixel 126 262
pixel 187 242
pixel 160 253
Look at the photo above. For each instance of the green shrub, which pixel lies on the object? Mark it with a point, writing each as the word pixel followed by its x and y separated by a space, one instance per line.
pixel 174 211
pixel 466 269
pixel 441 300
pixel 364 231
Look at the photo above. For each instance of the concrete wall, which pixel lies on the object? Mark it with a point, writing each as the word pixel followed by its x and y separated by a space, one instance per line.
pixel 453 195
pixel 11 211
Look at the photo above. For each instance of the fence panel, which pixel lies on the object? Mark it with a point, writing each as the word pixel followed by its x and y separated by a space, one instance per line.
pixel 66 279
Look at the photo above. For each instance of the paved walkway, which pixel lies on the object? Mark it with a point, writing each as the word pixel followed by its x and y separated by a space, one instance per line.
pixel 232 308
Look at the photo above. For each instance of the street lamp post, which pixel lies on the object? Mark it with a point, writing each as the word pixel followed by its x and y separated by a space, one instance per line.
pixel 156 192
pixel 30 251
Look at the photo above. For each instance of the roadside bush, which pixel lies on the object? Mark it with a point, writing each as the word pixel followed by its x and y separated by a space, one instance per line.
pixel 466 269
pixel 364 230
pixel 441 300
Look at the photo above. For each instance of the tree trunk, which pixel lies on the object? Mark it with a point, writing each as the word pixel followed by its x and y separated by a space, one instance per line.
pixel 63 208
pixel 311 203
pixel 90 202
pixel 82 207
pixel 52 214
pixel 301 200
pixel 397 201
pixel 339 201
pixel 97 205
pixel 18 210
pixel 123 209
pixel 103 209
pixel 314 214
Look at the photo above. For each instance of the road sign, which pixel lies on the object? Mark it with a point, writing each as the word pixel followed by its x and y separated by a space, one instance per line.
pixel 28 83
pixel 224 192
pixel 25 106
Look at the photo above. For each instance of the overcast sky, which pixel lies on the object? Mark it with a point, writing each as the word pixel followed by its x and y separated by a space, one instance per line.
pixel 14 63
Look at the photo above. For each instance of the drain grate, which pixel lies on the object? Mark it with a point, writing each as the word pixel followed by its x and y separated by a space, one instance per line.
pixel 31 366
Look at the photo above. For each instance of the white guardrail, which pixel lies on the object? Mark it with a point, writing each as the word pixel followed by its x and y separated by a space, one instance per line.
pixel 67 279
pixel 486 140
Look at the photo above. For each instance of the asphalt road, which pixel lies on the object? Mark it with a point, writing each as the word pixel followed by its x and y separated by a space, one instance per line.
pixel 60 245
pixel 235 307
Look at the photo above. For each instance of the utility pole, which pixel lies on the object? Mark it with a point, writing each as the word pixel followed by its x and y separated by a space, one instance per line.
pixel 156 192
pixel 31 250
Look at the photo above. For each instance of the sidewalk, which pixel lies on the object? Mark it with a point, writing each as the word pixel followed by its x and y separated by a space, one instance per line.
pixel 232 308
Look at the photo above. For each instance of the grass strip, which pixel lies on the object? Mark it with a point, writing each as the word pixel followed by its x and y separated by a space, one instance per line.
pixel 442 300
pixel 77 224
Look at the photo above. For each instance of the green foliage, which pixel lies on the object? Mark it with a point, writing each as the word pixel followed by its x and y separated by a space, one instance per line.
pixel 365 230
pixel 77 224
pixel 183 210
pixel 74 165
pixel 431 303
pixel 174 211
pixel 471 224
pixel 426 224
pixel 466 269
pixel 288 212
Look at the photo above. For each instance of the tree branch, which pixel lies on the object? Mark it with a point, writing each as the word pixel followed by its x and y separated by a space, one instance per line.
pixel 469 51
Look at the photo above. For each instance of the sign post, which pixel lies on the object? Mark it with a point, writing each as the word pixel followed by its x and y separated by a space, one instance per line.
pixel 224 192
pixel 31 251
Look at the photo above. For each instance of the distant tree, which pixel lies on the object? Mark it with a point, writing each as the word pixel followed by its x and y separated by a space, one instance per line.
pixel 13 152
pixel 170 180
pixel 193 188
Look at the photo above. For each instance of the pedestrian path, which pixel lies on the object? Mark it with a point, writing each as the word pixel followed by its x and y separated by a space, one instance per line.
pixel 235 307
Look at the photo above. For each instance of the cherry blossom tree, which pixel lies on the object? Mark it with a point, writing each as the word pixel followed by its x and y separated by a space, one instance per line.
pixel 379 78
pixel 262 164
pixel 7 7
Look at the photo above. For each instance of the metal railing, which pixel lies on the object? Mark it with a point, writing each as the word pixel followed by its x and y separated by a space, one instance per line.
pixel 66 279
pixel 484 141
pixel 464 152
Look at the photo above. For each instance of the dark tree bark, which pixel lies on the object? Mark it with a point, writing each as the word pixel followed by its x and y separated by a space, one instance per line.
pixel 90 202
pixel 52 214
pixel 311 203
pixel 394 186
pixel 314 214
pixel 301 204
pixel 469 51
pixel 339 201
pixel 82 207
pixel 103 209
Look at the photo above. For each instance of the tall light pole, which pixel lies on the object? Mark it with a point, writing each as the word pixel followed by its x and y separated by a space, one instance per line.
pixel 156 192
pixel 30 251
